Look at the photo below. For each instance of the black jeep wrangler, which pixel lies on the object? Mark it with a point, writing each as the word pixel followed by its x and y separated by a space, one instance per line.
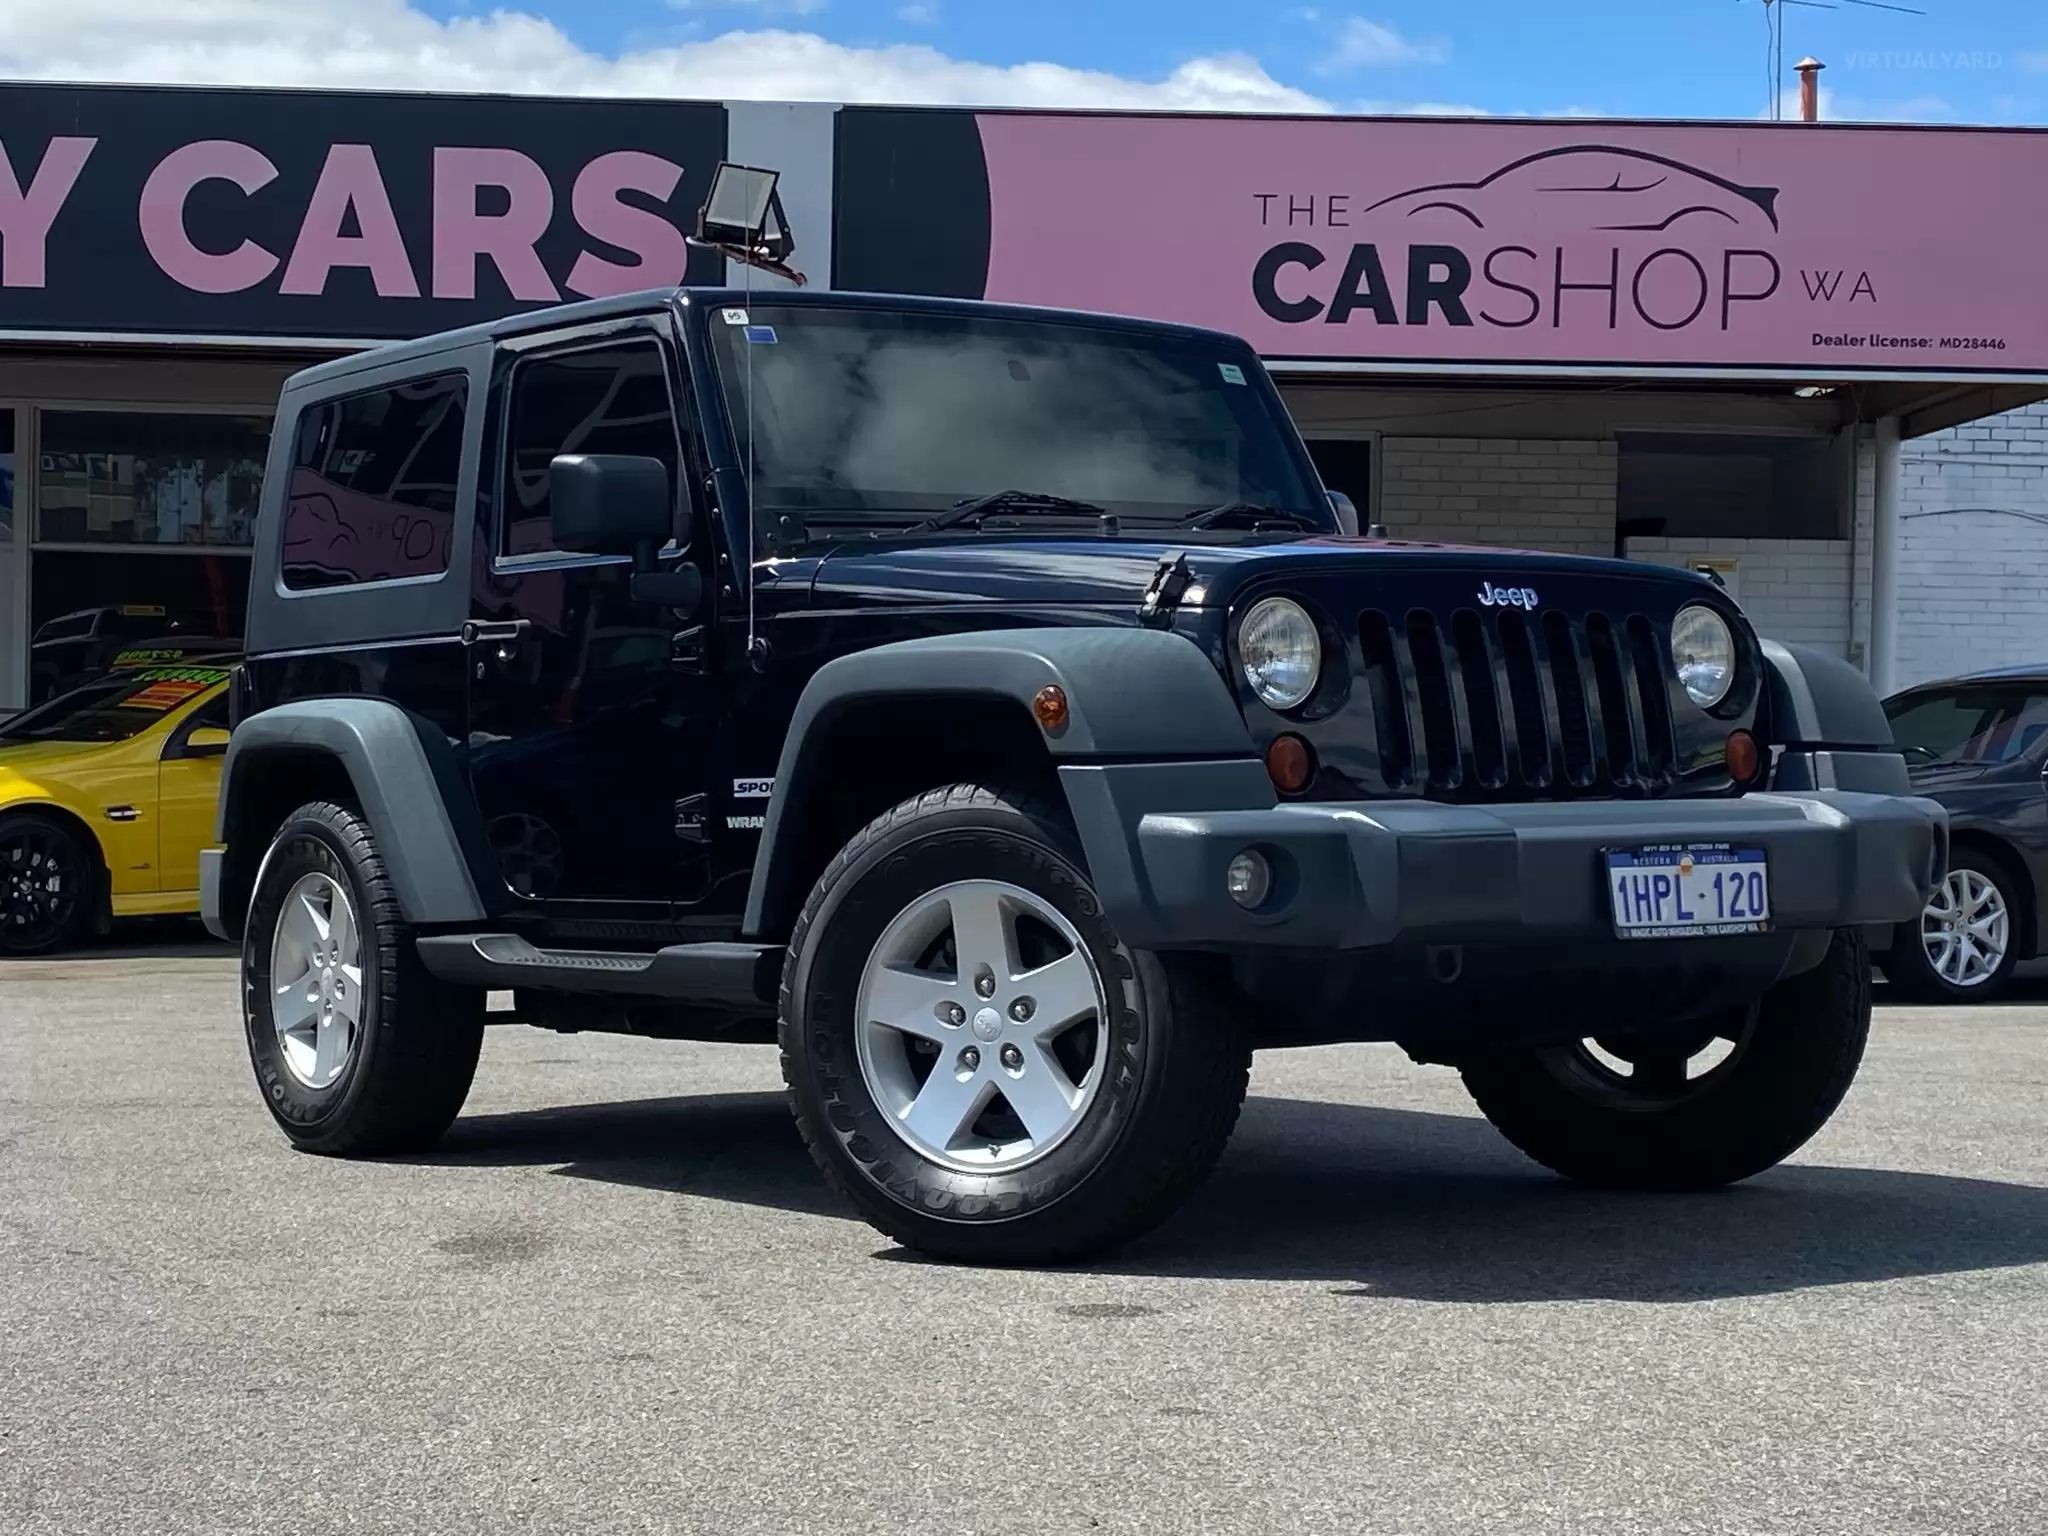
pixel 990 707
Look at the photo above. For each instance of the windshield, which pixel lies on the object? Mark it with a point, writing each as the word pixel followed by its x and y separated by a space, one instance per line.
pixel 113 708
pixel 1970 725
pixel 870 414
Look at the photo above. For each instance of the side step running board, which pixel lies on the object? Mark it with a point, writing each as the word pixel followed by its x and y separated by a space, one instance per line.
pixel 744 976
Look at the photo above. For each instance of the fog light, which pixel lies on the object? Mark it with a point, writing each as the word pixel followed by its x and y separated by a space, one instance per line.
pixel 1744 761
pixel 1249 879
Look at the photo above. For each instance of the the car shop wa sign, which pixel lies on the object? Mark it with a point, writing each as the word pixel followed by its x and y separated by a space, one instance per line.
pixel 1663 247
pixel 142 211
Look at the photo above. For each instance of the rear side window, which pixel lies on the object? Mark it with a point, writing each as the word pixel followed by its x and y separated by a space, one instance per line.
pixel 372 494
pixel 603 400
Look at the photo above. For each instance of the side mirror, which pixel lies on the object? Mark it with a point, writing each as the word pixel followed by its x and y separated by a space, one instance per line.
pixel 619 504
pixel 610 504
pixel 1347 514
pixel 206 741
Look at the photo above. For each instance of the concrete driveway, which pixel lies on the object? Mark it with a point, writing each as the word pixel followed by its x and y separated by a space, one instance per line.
pixel 619 1299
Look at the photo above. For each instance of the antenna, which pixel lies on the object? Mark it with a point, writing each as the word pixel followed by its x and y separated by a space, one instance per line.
pixel 742 219
pixel 1774 37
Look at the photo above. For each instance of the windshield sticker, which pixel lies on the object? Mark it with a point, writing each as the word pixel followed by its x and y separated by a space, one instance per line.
pixel 1232 374
pixel 143 658
pixel 165 695
pixel 734 316
pixel 205 677
pixel 761 335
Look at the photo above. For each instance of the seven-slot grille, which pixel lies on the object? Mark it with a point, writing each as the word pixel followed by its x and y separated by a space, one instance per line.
pixel 1503 701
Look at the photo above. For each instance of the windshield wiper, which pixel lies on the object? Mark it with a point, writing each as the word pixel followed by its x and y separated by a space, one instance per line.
pixel 1235 511
pixel 1006 501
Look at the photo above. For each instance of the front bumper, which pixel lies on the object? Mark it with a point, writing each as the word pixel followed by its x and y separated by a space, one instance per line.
pixel 1366 874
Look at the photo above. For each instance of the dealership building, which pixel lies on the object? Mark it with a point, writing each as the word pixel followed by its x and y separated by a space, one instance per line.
pixel 1779 351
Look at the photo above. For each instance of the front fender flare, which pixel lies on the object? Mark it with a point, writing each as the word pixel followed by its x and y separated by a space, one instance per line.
pixel 1132 695
pixel 1829 725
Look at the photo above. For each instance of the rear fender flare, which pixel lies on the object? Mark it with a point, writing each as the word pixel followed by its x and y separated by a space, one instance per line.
pixel 407 783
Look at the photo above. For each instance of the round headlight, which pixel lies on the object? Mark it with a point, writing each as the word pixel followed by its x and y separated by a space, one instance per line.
pixel 1283 654
pixel 1703 647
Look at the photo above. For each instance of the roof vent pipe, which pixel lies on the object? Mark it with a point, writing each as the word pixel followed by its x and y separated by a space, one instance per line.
pixel 1809 88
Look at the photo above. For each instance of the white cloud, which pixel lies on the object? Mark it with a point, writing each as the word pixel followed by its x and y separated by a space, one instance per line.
pixel 1837 108
pixel 1362 44
pixel 758 7
pixel 392 45
pixel 918 15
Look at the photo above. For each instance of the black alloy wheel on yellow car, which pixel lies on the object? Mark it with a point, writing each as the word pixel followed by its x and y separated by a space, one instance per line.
pixel 47 880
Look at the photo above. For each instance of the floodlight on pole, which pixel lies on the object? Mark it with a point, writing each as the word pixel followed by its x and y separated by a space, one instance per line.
pixel 742 219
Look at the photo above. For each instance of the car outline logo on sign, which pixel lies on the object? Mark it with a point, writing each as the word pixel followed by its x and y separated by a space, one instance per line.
pixel 1491 596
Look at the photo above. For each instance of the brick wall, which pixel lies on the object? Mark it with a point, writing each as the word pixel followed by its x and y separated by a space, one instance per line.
pixel 1533 494
pixel 1794 590
pixel 1514 492
pixel 1973 558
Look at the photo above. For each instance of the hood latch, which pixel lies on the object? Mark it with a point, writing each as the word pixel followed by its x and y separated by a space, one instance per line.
pixel 1164 591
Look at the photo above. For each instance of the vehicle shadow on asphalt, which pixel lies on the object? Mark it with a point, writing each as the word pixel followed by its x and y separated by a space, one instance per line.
pixel 1376 1203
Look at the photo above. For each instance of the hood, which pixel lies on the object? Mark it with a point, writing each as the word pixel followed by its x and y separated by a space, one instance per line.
pixel 27 766
pixel 1928 777
pixel 1114 573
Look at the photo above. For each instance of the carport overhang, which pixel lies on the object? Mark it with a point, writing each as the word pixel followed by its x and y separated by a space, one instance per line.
pixel 1609 399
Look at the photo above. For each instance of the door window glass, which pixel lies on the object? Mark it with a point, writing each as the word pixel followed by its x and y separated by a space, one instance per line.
pixel 605 400
pixel 1971 725
pixel 373 485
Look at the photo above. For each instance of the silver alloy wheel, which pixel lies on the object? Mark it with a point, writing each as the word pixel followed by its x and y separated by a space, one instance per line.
pixel 1018 1015
pixel 1966 929
pixel 316 980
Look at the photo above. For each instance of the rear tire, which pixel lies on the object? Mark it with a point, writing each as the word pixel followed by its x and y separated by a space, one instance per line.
pixel 1030 1092
pixel 359 1051
pixel 1973 926
pixel 1792 1064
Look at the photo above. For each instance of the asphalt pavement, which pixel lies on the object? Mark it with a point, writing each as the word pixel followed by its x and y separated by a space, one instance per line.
pixel 620 1300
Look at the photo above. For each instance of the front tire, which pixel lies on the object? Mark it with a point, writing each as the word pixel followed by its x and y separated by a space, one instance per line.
pixel 976 1061
pixel 49 884
pixel 1967 943
pixel 1653 1127
pixel 359 1051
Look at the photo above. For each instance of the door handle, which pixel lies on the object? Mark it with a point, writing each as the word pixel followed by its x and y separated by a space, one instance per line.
pixel 475 632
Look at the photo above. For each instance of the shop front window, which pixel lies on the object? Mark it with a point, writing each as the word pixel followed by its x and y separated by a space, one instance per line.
pixel 90 608
pixel 10 656
pixel 149 478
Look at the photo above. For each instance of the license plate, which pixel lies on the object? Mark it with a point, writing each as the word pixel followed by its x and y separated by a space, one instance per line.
pixel 1691 891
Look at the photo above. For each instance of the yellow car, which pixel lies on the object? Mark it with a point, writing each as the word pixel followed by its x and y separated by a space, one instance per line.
pixel 106 797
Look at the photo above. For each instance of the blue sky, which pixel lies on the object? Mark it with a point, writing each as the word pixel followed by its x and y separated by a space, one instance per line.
pixel 1965 59
pixel 1983 61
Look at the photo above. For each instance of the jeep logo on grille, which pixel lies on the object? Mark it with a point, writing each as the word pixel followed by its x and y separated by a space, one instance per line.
pixel 1507 597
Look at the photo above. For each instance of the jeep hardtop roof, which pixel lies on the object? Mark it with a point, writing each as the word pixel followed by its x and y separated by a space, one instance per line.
pixel 646 301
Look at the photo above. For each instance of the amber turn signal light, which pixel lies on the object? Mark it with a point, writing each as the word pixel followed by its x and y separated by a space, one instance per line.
pixel 1745 762
pixel 1049 704
pixel 1289 763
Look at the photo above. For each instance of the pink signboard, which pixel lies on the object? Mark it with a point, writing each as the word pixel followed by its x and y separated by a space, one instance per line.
pixel 1795 247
